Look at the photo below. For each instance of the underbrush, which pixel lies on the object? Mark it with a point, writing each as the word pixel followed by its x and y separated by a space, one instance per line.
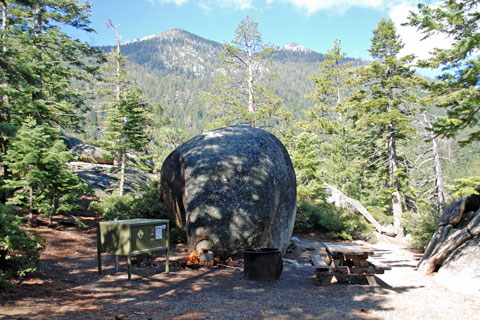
pixel 147 206
pixel 19 249
pixel 334 222
pixel 422 226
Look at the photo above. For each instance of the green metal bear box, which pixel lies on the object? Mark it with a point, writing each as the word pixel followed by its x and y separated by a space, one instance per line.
pixel 132 237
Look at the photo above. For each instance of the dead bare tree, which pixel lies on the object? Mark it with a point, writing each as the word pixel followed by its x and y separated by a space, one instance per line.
pixel 429 164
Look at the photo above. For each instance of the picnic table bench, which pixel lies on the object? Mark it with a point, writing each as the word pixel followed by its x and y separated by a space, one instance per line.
pixel 346 258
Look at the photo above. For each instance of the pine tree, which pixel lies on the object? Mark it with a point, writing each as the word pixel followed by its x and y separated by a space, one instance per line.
pixel 458 88
pixel 126 129
pixel 240 94
pixel 37 63
pixel 328 117
pixel 382 109
pixel 38 60
pixel 126 123
pixel 40 177
pixel 431 182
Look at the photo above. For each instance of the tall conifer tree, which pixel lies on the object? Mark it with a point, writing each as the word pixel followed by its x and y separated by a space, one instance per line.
pixel 329 116
pixel 241 96
pixel 126 123
pixel 382 109
pixel 458 88
pixel 38 61
pixel 40 177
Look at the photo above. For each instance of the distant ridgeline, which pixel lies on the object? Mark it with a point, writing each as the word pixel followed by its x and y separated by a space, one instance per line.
pixel 174 68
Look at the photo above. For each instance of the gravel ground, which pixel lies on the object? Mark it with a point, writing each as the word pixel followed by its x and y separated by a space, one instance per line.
pixel 71 289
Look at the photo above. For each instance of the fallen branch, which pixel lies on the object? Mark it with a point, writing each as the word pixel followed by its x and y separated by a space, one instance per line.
pixel 225 266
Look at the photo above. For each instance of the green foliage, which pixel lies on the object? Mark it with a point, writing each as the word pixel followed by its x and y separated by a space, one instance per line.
pixel 148 206
pixel 458 90
pixel 334 222
pixel 39 60
pixel 241 95
pixel 127 124
pixel 329 117
pixel 114 207
pixel 382 108
pixel 313 213
pixel 422 226
pixel 465 186
pixel 41 179
pixel 19 249
pixel 165 137
pixel 38 63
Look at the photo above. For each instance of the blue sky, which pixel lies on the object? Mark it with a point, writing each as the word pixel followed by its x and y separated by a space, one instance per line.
pixel 315 24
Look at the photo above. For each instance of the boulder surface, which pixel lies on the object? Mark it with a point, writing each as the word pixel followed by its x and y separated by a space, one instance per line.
pixel 454 250
pixel 91 154
pixel 461 270
pixel 232 188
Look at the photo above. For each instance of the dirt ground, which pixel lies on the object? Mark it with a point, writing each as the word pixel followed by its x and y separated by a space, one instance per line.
pixel 67 286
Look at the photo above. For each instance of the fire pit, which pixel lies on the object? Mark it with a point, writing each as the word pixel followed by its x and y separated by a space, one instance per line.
pixel 262 264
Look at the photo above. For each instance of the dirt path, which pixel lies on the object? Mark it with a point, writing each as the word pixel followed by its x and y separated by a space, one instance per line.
pixel 68 287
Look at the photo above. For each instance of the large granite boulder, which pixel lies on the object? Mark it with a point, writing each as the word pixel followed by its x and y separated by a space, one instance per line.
pixel 231 188
pixel 461 270
pixel 454 250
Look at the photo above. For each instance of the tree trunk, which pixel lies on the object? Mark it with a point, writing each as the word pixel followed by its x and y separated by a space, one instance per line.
pixel 396 197
pixel 440 192
pixel 123 151
pixel 393 167
pixel 340 200
pixel 448 147
pixel 52 211
pixel 30 208
pixel 37 29
pixel 122 169
pixel 6 116
pixel 250 79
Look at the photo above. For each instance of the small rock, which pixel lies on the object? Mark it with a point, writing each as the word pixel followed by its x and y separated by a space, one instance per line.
pixel 292 262
pixel 296 240
pixel 389 230
pixel 206 256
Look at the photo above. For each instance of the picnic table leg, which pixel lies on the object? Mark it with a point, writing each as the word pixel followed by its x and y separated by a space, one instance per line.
pixel 332 263
pixel 363 263
pixel 371 280
pixel 325 279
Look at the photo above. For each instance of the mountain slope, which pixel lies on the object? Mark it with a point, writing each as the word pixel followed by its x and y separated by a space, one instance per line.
pixel 174 68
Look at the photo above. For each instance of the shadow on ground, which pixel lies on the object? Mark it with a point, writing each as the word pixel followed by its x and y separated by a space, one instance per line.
pixel 68 287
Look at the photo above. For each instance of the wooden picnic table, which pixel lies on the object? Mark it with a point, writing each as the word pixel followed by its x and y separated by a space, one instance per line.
pixel 346 258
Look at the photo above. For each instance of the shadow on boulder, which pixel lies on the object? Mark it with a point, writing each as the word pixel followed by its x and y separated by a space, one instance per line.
pixel 232 188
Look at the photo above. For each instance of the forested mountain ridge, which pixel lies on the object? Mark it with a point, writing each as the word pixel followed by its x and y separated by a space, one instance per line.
pixel 179 51
pixel 176 67
pixel 174 51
